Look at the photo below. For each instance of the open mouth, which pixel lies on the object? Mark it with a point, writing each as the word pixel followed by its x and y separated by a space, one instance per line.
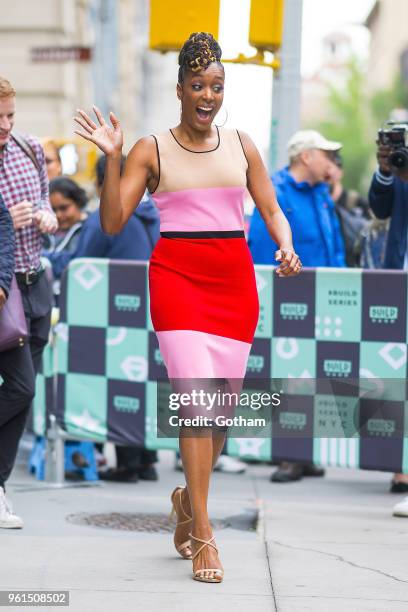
pixel 204 112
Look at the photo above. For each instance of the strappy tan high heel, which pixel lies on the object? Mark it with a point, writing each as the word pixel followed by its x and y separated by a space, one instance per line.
pixel 187 544
pixel 198 574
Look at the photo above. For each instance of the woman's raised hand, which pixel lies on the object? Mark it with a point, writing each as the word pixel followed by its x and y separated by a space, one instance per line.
pixel 109 138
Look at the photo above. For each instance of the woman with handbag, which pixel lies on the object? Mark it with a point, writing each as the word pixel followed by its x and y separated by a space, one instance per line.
pixel 13 333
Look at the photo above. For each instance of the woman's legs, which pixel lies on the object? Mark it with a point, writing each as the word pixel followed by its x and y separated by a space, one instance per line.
pixel 199 454
pixel 182 531
pixel 199 450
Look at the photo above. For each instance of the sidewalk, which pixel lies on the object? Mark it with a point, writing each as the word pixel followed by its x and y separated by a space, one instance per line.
pixel 333 543
pixel 321 544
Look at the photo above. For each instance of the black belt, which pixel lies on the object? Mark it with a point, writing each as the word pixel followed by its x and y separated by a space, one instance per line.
pixel 231 234
pixel 30 277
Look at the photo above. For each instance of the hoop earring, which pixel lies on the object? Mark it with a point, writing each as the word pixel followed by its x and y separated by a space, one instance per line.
pixel 225 120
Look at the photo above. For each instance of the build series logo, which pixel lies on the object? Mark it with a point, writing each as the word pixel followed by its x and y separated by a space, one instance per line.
pixel 383 314
pixel 383 428
pixel 127 303
pixel 124 403
pixel 256 363
pixel 294 421
pixel 338 368
pixel 293 311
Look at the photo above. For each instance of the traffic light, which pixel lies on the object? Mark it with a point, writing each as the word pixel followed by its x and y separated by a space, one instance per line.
pixel 172 21
pixel 266 24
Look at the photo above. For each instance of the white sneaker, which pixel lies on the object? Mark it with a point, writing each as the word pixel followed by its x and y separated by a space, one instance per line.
pixel 229 465
pixel 8 520
pixel 401 509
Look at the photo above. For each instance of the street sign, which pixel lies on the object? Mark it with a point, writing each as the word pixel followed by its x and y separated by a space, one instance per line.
pixel 61 54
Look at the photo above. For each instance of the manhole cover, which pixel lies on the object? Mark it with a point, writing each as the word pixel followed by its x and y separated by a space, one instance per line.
pixel 152 523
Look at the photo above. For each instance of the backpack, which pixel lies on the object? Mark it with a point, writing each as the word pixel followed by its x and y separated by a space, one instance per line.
pixel 353 221
pixel 373 243
pixel 26 148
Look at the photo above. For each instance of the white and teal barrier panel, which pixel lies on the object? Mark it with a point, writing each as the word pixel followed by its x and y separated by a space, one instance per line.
pixel 100 375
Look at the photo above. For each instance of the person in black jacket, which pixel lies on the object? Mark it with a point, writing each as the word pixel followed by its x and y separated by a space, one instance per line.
pixel 388 198
pixel 14 395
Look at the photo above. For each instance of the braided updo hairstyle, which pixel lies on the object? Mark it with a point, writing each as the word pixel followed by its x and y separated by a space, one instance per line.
pixel 197 53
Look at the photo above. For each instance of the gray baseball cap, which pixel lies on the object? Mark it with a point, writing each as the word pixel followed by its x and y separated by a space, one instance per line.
pixel 304 140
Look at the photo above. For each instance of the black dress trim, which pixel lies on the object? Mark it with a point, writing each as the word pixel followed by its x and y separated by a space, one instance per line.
pixel 243 150
pixel 158 159
pixel 209 150
pixel 221 234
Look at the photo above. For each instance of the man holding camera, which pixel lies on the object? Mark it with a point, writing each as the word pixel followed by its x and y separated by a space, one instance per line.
pixel 388 198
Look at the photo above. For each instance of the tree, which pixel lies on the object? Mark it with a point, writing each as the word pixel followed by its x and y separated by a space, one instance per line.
pixel 386 100
pixel 350 124
pixel 354 119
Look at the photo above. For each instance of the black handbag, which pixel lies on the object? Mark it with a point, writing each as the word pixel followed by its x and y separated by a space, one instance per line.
pixel 13 324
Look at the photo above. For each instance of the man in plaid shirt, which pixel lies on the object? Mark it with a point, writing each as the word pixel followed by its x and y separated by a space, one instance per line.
pixel 24 189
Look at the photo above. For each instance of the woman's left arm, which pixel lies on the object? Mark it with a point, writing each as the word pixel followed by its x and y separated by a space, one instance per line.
pixel 263 193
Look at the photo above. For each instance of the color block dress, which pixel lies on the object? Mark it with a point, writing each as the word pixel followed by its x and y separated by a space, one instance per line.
pixel 203 297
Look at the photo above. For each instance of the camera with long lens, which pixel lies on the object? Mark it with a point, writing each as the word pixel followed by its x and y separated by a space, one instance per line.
pixel 395 136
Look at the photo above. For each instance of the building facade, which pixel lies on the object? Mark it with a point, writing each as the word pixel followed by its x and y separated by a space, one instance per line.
pixel 337 51
pixel 387 23
pixel 120 74
pixel 48 89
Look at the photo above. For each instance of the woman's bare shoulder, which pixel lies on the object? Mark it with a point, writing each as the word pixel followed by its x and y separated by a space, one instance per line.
pixel 144 148
pixel 145 143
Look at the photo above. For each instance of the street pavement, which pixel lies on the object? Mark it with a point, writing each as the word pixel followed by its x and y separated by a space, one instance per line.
pixel 320 544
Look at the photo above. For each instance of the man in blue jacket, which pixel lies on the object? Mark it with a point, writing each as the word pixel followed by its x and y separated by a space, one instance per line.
pixel 136 241
pixel 388 198
pixel 305 199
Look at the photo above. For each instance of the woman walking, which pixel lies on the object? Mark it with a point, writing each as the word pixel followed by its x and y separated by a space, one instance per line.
pixel 204 303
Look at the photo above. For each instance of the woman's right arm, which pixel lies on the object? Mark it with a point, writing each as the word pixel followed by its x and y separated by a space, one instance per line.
pixel 120 195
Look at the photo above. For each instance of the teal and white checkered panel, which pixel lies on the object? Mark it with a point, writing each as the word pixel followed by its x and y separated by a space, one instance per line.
pixel 331 324
pixel 326 324
pixel 103 351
